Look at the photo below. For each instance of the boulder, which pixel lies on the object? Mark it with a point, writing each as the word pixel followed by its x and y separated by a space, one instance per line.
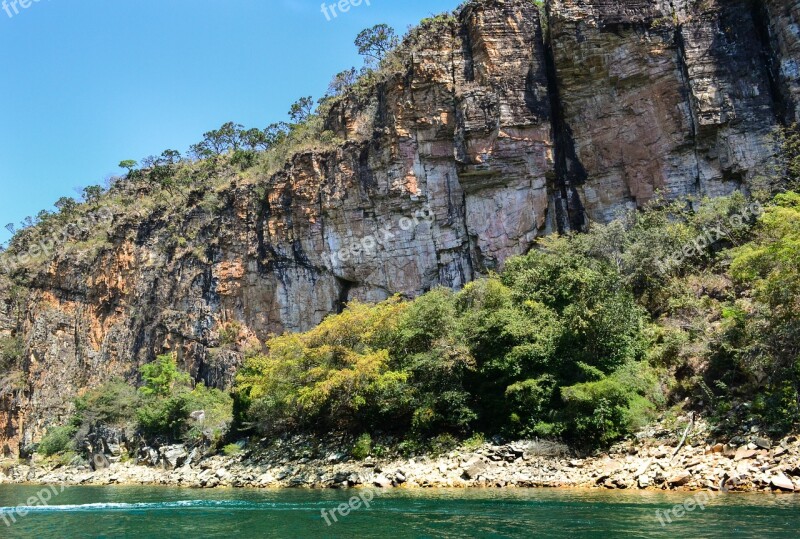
pixel 98 461
pixel 680 478
pixel 382 482
pixel 474 468
pixel 173 456
pixel 781 482
pixel 763 443
pixel 743 453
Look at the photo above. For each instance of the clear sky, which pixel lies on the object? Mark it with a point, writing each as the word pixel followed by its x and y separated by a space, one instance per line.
pixel 88 83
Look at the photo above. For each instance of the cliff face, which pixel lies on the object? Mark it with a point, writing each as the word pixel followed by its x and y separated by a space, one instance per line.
pixel 670 96
pixel 491 135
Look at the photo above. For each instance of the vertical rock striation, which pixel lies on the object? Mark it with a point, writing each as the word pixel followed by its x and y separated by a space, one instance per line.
pixel 662 96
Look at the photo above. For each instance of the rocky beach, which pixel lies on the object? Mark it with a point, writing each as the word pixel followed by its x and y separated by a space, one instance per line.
pixel 654 460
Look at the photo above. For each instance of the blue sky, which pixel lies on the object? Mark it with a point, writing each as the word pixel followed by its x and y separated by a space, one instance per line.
pixel 88 83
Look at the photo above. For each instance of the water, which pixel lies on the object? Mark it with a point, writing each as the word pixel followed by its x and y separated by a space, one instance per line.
pixel 151 512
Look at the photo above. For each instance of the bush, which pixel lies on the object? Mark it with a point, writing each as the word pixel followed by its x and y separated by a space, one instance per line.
pixel 362 448
pixel 113 403
pixel 232 450
pixel 11 350
pixel 57 440
pixel 164 416
pixel 218 408
pixel 333 377
pixel 162 377
pixel 758 352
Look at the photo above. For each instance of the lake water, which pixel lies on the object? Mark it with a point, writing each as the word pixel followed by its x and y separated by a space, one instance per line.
pixel 151 512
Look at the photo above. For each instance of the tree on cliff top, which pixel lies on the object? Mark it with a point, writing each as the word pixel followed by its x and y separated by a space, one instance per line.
pixel 374 43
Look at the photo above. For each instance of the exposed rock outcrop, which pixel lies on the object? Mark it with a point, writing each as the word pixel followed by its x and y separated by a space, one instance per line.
pixel 492 133
pixel 661 96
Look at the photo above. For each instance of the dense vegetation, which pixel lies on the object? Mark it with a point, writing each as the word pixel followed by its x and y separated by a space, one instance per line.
pixel 583 339
pixel 160 411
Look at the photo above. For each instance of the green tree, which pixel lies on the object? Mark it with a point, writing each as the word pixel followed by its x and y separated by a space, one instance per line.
pixel 162 377
pixel 375 42
pixel 66 205
pixel 92 194
pixel 301 109
pixel 129 165
pixel 763 331
pixel 255 139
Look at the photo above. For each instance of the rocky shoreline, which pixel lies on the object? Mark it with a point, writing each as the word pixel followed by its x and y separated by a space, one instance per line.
pixel 653 461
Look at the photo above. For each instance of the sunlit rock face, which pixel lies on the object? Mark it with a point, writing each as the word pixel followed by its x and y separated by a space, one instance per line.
pixel 670 96
pixel 491 133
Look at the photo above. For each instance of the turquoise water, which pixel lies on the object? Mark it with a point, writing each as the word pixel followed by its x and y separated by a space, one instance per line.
pixel 150 512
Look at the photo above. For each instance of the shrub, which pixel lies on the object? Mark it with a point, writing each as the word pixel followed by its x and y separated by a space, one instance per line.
pixel 232 450
pixel 164 416
pixel 362 448
pixel 330 377
pixel 114 403
pixel 162 377
pixel 57 440
pixel 474 442
pixel 218 408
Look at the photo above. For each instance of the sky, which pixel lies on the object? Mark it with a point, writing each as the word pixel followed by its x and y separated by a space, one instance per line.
pixel 89 83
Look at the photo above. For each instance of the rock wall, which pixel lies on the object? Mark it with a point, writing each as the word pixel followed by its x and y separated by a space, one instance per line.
pixel 672 97
pixel 780 21
pixel 493 133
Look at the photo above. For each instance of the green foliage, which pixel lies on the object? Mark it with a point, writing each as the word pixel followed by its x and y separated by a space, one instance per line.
pixel 362 448
pixel 375 42
pixel 232 450
pixel 162 377
pixel 442 443
pixel 762 329
pixel 164 416
pixel 301 109
pixel 92 194
pixel 602 411
pixel 66 205
pixel 229 334
pixel 11 349
pixel 790 145
pixel 57 440
pixel 218 408
pixel 168 399
pixel 113 403
pixel 330 377
pixel 493 356
pixel 475 441
pixel 128 164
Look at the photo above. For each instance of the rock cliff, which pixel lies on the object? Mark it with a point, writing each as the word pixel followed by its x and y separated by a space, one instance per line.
pixel 501 124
